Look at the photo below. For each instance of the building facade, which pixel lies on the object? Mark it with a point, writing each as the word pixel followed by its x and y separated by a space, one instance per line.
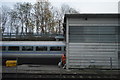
pixel 92 40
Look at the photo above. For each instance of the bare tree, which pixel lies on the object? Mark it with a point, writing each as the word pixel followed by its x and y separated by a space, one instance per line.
pixel 20 11
pixel 27 17
pixel 14 22
pixel 43 17
pixel 4 17
pixel 24 15
pixel 40 18
pixel 59 16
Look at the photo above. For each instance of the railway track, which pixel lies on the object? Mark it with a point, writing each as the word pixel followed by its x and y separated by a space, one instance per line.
pixel 52 72
pixel 58 76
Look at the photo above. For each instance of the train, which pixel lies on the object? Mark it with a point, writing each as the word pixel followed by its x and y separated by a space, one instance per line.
pixel 29 52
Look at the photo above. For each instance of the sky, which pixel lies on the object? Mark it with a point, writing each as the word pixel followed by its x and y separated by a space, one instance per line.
pixel 83 6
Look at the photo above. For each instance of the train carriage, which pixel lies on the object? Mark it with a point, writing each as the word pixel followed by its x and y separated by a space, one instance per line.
pixel 33 51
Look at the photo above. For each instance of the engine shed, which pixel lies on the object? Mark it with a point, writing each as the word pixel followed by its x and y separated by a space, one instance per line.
pixel 92 41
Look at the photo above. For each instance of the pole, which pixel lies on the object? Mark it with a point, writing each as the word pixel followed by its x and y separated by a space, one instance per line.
pixel 111 63
pixel 59 27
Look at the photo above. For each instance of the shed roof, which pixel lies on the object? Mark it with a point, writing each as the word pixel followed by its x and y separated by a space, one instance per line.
pixel 91 15
pixel 107 15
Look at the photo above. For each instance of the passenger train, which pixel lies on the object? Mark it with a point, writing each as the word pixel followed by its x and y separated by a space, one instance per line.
pixel 32 51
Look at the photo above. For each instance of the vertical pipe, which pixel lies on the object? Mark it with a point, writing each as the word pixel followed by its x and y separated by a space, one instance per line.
pixel 67 44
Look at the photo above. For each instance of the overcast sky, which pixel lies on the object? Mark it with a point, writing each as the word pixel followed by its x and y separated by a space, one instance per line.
pixel 83 6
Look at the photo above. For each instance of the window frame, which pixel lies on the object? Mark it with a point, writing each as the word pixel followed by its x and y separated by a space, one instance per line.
pixel 13 50
pixel 41 50
pixel 56 50
pixel 28 50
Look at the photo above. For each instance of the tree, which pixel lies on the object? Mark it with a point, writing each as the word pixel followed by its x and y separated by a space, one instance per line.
pixel 43 16
pixel 40 18
pixel 24 15
pixel 4 17
pixel 65 9
pixel 27 17
pixel 14 22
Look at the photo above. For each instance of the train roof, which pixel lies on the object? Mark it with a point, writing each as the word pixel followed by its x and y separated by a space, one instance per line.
pixel 33 43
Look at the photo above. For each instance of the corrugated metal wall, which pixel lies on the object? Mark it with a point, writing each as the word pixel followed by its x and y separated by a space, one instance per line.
pixel 86 55
pixel 92 43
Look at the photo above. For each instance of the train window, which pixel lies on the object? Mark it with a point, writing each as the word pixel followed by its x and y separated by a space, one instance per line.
pixel 3 48
pixel 64 48
pixel 41 48
pixel 13 48
pixel 55 48
pixel 27 48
